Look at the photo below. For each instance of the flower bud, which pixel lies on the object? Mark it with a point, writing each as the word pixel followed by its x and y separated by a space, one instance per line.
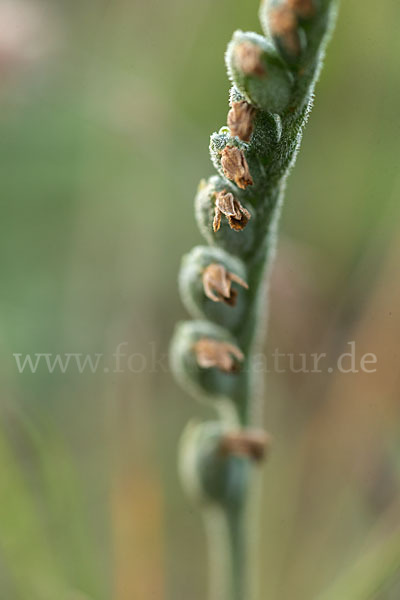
pixel 296 28
pixel 210 475
pixel 217 354
pixel 224 232
pixel 258 72
pixel 230 157
pixel 217 283
pixel 215 461
pixel 206 360
pixel 209 280
pixel 304 9
pixel 284 28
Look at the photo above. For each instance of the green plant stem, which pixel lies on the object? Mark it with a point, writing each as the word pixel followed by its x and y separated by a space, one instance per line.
pixel 240 527
pixel 219 556
pixel 250 337
pixel 237 538
pixel 226 536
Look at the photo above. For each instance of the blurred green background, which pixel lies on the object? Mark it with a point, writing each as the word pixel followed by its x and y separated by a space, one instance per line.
pixel 105 112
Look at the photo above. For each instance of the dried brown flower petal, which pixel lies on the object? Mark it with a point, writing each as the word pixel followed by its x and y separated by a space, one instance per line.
pixel 226 204
pixel 303 8
pixel 217 220
pixel 221 355
pixel 240 120
pixel 239 224
pixel 248 59
pixel 217 282
pixel 283 23
pixel 235 167
pixel 253 443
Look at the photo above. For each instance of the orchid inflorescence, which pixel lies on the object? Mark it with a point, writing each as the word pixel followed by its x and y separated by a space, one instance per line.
pixel 222 284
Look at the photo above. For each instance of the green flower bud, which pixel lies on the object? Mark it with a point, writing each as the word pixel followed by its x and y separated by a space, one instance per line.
pixel 280 21
pixel 297 28
pixel 213 286
pixel 206 360
pixel 228 155
pixel 223 233
pixel 258 72
pixel 210 475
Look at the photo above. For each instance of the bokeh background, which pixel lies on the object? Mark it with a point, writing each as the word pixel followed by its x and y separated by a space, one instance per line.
pixel 105 112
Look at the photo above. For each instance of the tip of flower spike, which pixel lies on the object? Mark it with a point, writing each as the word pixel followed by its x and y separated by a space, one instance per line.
pixel 289 23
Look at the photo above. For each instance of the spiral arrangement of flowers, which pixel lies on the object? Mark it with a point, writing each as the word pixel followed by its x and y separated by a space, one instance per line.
pixel 223 285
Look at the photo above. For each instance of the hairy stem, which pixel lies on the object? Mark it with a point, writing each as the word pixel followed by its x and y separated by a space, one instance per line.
pixel 228 543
